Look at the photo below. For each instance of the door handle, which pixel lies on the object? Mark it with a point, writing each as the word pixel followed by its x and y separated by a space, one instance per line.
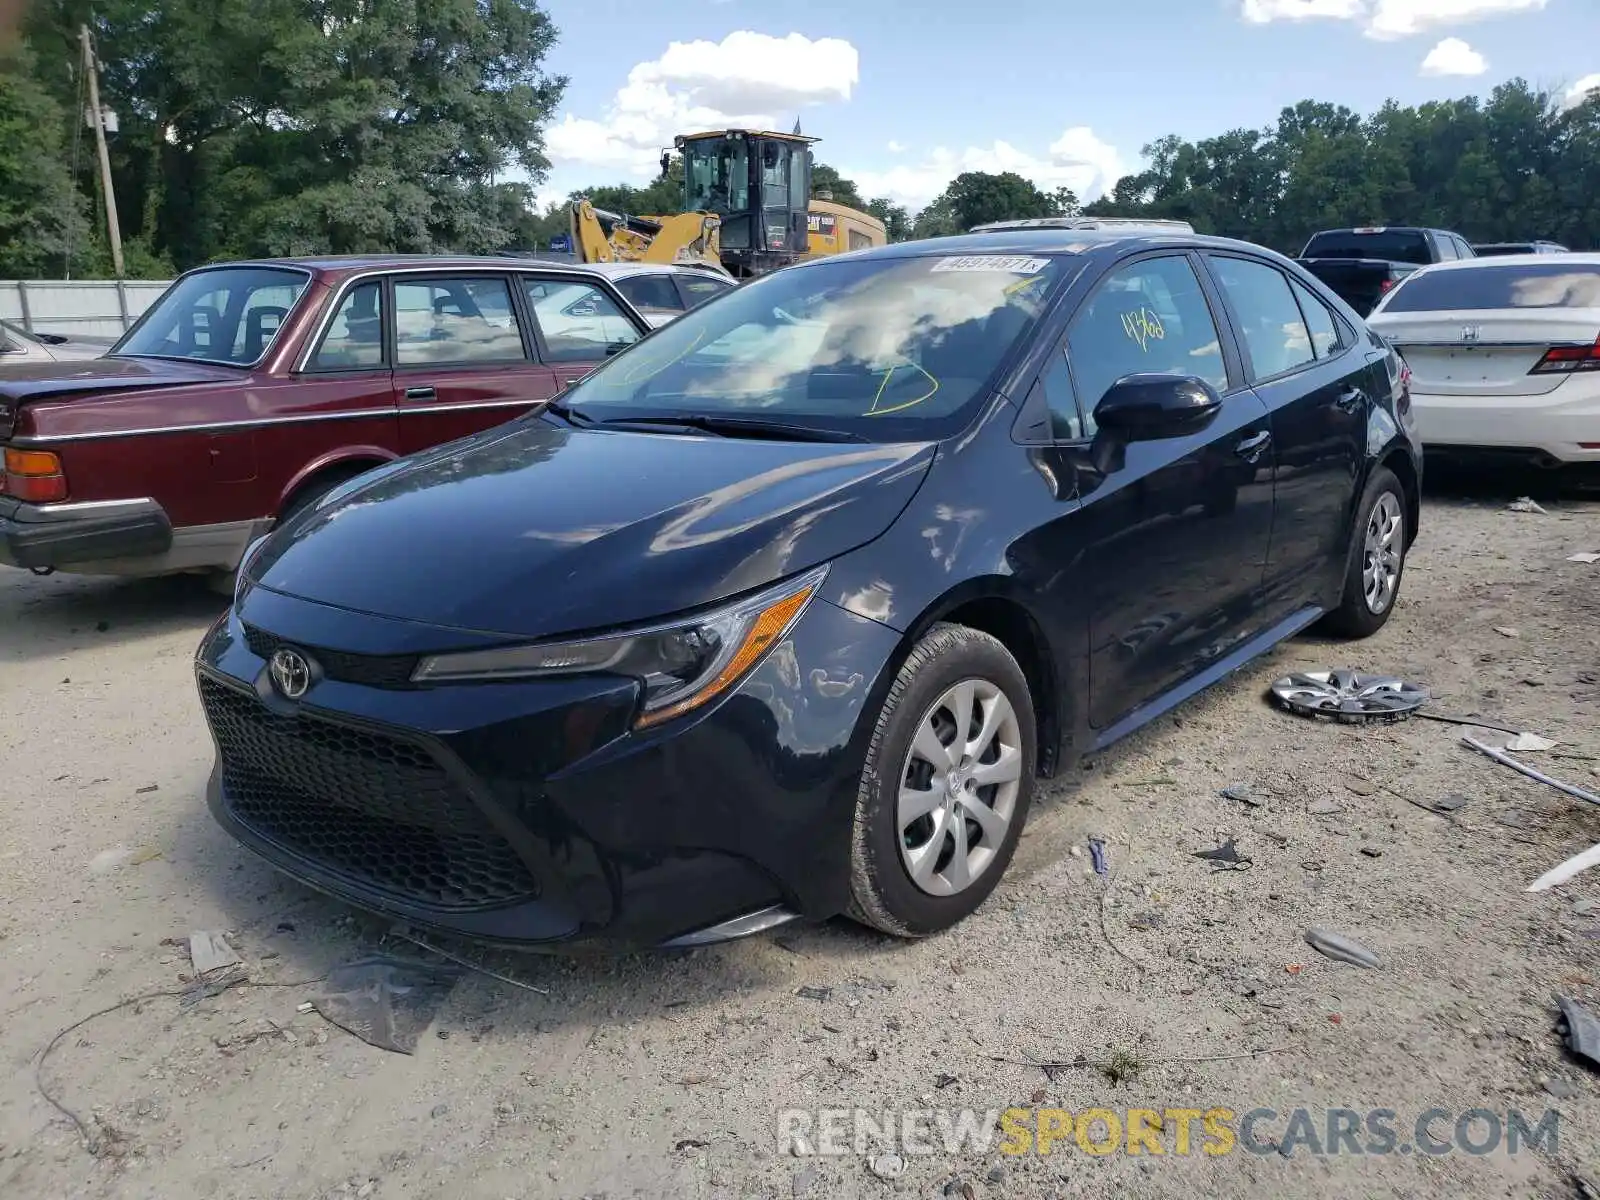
pixel 569 381
pixel 1251 448
pixel 420 393
pixel 1351 399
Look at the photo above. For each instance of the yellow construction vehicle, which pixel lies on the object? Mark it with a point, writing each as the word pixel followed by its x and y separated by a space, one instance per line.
pixel 748 209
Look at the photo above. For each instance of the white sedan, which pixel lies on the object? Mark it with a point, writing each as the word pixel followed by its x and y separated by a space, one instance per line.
pixel 1504 356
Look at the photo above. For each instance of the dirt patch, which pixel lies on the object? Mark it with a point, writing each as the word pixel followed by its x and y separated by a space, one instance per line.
pixel 665 1076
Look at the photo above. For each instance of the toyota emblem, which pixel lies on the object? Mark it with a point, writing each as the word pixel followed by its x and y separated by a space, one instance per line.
pixel 291 673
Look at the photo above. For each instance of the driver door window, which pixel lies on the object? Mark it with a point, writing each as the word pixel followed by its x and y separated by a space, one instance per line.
pixel 1148 317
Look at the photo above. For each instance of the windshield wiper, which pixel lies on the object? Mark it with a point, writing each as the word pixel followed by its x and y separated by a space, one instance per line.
pixel 749 427
pixel 567 413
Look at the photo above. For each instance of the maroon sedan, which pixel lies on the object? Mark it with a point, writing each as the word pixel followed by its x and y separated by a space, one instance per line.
pixel 250 390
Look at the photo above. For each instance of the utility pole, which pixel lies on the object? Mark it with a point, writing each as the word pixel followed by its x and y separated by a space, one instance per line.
pixel 91 70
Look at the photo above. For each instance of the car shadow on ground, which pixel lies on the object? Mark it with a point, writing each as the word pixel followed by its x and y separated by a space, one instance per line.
pixel 47 617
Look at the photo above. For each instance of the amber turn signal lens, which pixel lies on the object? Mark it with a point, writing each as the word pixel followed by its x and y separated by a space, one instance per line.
pixel 32 462
pixel 34 475
pixel 764 631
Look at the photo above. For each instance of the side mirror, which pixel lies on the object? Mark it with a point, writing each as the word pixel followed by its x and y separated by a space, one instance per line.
pixel 1148 406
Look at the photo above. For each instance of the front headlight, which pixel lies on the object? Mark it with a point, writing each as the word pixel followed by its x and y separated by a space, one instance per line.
pixel 681 666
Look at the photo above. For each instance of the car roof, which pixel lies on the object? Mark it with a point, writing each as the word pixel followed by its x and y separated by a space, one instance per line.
pixel 1578 258
pixel 1105 241
pixel 349 264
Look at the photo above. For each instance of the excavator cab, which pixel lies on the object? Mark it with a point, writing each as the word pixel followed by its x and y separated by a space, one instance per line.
pixel 759 184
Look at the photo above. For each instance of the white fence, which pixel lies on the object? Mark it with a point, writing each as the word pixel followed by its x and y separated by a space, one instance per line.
pixel 82 307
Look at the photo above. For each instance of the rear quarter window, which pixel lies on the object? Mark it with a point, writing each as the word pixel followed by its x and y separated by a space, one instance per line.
pixel 1536 285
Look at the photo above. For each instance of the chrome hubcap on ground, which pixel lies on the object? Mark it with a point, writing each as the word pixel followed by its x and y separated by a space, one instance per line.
pixel 1380 567
pixel 959 786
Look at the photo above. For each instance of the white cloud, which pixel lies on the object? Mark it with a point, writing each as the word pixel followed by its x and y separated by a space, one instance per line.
pixel 1579 92
pixel 895 147
pixel 1402 18
pixel 1261 12
pixel 1454 57
pixel 1078 159
pixel 1386 20
pixel 747 79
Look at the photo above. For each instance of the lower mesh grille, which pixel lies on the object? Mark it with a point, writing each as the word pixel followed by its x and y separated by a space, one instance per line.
pixel 366 804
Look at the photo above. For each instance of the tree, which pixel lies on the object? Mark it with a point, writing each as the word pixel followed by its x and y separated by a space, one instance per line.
pixel 299 126
pixel 43 227
pixel 977 197
pixel 828 184
pixel 894 217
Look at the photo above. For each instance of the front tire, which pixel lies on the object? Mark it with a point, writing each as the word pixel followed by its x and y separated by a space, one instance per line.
pixel 1377 559
pixel 946 785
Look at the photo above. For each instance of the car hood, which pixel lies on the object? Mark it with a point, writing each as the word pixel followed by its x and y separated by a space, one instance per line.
pixel 534 530
pixel 37 380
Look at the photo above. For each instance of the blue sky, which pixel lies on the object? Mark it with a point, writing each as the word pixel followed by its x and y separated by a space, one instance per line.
pixel 906 95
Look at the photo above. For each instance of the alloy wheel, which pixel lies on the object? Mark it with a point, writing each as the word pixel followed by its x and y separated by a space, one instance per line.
pixel 1381 554
pixel 959 787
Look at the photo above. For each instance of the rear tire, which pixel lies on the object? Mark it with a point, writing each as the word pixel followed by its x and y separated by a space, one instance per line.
pixel 940 808
pixel 1377 560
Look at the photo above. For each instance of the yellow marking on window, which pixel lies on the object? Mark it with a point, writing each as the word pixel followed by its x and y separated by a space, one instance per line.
pixel 875 411
pixel 1142 326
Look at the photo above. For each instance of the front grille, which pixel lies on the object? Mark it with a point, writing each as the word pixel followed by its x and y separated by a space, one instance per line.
pixel 367 804
pixel 373 670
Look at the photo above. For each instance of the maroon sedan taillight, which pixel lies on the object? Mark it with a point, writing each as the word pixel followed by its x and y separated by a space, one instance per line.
pixel 34 475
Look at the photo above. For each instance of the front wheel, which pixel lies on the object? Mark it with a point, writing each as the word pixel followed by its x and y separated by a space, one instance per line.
pixel 946 786
pixel 1377 559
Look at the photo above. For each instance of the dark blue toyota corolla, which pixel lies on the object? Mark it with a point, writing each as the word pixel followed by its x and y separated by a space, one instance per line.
pixel 782 611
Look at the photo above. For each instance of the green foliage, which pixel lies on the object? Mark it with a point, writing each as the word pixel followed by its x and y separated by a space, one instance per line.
pixel 827 183
pixel 894 217
pixel 43 228
pixel 252 127
pixel 1511 168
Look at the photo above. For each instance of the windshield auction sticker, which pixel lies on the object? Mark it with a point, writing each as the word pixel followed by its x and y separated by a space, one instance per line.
pixel 1011 264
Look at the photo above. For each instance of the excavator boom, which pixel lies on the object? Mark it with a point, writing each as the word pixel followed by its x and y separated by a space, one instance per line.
pixel 599 236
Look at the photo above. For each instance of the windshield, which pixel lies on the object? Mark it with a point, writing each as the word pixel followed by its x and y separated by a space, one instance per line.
pixel 889 349
pixel 716 173
pixel 229 315
pixel 1462 289
pixel 1390 245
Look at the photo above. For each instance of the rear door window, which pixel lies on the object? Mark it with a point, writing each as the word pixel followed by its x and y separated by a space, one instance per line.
pixel 461 320
pixel 1466 289
pixel 651 293
pixel 1149 316
pixel 1274 332
pixel 578 320
pixel 697 290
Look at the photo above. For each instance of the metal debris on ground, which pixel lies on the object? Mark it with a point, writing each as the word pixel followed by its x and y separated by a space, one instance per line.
pixel 1525 504
pixel 1340 948
pixel 206 986
pixel 1242 793
pixel 210 951
pixel 1349 696
pixel 1227 857
pixel 386 1002
pixel 1562 872
pixel 813 993
pixel 1587 556
pixel 1506 631
pixel 1500 756
pixel 1582 1030
pixel 1529 742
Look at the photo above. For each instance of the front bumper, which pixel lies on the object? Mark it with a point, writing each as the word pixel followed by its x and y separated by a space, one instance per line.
pixel 44 536
pixel 529 812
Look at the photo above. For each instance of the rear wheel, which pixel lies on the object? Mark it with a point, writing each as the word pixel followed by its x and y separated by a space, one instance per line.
pixel 1377 559
pixel 946 785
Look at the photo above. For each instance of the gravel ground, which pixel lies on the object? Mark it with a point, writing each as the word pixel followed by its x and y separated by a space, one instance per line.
pixel 664 1076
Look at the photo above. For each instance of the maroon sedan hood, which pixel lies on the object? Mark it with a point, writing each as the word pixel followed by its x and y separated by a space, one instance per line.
pixel 36 381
